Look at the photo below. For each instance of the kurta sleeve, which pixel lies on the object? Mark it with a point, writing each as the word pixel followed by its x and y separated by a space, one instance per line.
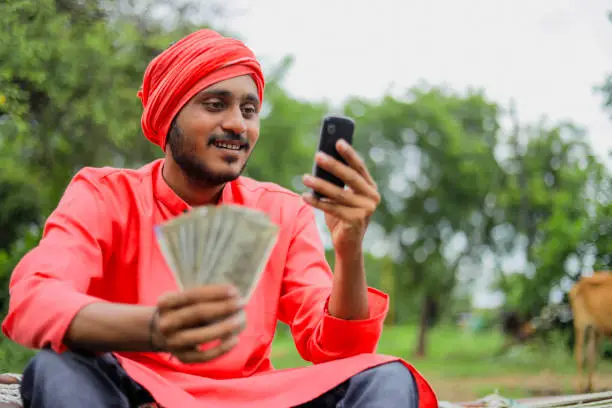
pixel 48 286
pixel 318 336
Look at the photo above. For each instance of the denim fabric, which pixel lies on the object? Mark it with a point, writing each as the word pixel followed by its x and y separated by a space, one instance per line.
pixel 72 379
pixel 385 386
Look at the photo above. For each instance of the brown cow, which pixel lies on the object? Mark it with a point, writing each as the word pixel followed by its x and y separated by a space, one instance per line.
pixel 516 331
pixel 591 302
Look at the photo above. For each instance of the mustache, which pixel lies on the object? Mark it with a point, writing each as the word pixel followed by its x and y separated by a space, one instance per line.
pixel 228 137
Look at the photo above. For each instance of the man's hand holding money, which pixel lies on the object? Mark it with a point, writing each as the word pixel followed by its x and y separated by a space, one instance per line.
pixel 185 320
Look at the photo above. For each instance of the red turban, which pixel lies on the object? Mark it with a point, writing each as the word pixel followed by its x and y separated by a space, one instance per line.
pixel 191 64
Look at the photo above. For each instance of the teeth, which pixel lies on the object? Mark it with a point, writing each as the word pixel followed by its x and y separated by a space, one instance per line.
pixel 228 146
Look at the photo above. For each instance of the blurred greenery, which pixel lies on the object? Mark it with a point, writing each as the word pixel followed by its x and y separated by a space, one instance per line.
pixel 463 366
pixel 462 353
pixel 457 187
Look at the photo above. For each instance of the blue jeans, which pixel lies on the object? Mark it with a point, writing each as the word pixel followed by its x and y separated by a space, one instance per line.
pixel 71 380
pixel 384 386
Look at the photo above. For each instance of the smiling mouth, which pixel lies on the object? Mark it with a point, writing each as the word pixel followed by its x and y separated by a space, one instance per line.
pixel 233 146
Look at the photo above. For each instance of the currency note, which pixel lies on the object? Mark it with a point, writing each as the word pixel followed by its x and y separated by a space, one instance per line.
pixel 172 251
pixel 218 244
pixel 189 223
pixel 242 255
pixel 176 233
pixel 209 246
pixel 212 220
pixel 259 257
pixel 164 247
pixel 201 224
pixel 224 218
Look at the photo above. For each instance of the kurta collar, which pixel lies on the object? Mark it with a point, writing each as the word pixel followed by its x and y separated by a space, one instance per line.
pixel 176 204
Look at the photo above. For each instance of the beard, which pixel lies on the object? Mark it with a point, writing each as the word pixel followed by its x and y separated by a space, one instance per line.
pixel 197 171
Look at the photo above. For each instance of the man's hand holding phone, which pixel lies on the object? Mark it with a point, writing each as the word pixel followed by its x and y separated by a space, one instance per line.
pixel 342 187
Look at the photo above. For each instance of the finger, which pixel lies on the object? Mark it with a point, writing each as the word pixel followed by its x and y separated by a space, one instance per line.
pixel 348 214
pixel 201 356
pixel 198 314
pixel 355 161
pixel 200 294
pixel 339 195
pixel 187 339
pixel 350 176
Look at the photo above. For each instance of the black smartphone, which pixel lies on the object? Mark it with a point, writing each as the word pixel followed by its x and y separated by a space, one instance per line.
pixel 333 129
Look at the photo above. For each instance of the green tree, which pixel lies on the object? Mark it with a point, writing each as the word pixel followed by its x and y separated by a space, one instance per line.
pixel 605 89
pixel 552 196
pixel 432 154
pixel 69 75
pixel 289 134
pixel 558 203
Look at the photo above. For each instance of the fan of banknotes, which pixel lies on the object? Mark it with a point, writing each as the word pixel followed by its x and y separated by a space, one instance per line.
pixel 218 244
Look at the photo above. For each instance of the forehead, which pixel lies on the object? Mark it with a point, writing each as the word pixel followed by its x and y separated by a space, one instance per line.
pixel 241 87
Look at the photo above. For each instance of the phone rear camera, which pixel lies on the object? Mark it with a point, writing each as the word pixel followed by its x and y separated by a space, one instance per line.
pixel 331 129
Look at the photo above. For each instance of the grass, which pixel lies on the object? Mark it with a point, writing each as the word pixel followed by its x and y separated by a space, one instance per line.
pixel 13 358
pixel 451 353
pixel 460 364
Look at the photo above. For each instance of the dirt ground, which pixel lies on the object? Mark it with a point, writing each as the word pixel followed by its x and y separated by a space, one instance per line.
pixel 513 386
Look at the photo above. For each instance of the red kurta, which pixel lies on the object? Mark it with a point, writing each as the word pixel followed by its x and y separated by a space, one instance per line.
pixel 99 244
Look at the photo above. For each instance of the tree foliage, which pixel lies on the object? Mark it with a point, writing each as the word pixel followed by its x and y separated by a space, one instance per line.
pixel 458 189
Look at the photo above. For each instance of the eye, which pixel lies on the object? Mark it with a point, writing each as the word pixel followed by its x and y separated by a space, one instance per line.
pixel 214 105
pixel 249 110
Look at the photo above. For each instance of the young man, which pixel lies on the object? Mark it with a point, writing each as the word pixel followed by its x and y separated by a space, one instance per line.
pixel 98 298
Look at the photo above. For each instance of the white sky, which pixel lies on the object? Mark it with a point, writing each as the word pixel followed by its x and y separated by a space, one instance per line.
pixel 547 55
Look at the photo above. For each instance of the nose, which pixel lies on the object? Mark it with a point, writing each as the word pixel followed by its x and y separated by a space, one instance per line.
pixel 234 121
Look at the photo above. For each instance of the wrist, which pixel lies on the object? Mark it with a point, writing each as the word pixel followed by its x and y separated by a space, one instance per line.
pixel 156 339
pixel 349 295
pixel 349 254
pixel 111 327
